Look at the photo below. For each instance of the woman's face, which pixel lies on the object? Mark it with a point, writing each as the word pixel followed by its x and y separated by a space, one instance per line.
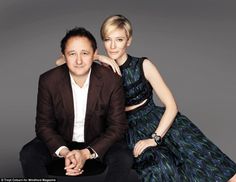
pixel 116 43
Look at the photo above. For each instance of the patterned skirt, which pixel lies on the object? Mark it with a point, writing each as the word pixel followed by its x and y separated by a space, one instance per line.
pixel 185 155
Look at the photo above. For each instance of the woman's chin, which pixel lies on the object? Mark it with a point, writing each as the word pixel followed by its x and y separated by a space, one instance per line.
pixel 112 56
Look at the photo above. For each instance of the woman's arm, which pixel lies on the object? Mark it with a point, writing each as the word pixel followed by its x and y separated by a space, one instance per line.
pixel 163 92
pixel 60 61
pixel 108 61
pixel 103 59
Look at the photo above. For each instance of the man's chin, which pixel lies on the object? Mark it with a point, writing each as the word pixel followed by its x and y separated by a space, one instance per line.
pixel 80 73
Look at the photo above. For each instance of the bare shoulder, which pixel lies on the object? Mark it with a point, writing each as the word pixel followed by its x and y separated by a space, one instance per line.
pixel 149 68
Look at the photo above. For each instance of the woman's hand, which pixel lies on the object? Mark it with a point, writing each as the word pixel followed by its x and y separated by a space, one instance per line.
pixel 141 145
pixel 60 61
pixel 108 61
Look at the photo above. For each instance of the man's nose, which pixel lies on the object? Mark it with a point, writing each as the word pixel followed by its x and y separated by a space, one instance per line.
pixel 78 60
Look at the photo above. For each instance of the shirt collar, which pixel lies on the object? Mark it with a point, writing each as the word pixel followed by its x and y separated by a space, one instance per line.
pixel 86 83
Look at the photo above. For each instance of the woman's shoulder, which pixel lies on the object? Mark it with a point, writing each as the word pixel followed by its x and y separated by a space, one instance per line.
pixel 142 61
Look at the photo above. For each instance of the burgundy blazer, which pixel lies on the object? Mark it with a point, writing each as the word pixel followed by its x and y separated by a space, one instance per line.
pixel 105 121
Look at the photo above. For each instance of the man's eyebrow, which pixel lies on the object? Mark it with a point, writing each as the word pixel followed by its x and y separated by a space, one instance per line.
pixel 70 51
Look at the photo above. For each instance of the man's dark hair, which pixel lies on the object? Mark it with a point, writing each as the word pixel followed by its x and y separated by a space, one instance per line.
pixel 80 32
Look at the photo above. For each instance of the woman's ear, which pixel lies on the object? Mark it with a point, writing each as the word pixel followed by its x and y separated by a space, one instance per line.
pixel 129 41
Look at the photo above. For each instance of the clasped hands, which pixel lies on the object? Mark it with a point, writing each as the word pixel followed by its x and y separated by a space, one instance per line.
pixel 74 161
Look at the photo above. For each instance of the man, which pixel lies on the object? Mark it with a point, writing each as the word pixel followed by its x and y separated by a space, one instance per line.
pixel 80 115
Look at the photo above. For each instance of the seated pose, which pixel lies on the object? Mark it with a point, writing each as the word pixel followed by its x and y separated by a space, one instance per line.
pixel 166 145
pixel 80 115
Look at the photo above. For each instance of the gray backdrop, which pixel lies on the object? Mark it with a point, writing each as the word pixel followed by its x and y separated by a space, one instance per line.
pixel 192 43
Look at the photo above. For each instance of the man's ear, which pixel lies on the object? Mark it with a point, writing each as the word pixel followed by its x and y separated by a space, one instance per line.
pixel 129 41
pixel 95 55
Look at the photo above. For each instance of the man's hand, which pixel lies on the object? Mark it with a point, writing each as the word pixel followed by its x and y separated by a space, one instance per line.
pixel 64 152
pixel 75 160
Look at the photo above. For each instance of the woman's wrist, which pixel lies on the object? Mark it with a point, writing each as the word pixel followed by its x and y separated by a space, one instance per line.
pixel 153 143
pixel 157 138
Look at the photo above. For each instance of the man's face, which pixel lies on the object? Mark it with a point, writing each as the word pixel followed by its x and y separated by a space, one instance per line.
pixel 79 56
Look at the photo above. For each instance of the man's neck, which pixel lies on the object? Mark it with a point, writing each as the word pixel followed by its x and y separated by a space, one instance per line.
pixel 80 80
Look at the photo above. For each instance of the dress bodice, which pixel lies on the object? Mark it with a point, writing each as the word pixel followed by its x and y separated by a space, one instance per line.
pixel 136 87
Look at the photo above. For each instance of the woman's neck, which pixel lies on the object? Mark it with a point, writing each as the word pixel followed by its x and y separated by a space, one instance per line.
pixel 122 59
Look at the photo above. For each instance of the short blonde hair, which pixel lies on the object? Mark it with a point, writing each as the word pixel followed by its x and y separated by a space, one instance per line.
pixel 116 22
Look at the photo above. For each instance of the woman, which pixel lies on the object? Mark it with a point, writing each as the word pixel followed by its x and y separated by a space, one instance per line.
pixel 166 145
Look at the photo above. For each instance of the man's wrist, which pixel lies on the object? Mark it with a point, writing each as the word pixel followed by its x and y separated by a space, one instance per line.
pixel 64 152
pixel 93 154
pixel 86 153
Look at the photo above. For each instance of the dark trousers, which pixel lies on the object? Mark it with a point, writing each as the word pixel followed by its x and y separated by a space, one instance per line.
pixel 35 159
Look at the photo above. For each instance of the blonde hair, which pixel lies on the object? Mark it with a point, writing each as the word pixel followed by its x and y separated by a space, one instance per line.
pixel 116 22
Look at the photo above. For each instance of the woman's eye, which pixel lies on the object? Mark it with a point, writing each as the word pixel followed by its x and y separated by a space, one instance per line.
pixel 120 40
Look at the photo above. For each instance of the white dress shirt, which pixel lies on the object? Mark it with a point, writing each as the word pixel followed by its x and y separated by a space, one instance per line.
pixel 80 95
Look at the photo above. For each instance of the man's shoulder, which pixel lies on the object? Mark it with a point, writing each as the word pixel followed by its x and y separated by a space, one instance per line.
pixel 55 73
pixel 105 73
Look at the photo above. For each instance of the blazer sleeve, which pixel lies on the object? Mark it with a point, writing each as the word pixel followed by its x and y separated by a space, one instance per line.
pixel 45 118
pixel 115 119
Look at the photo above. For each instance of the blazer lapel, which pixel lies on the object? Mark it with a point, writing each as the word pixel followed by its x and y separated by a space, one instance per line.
pixel 67 99
pixel 95 86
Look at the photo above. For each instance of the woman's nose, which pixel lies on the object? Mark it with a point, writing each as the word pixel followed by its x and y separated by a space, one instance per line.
pixel 113 45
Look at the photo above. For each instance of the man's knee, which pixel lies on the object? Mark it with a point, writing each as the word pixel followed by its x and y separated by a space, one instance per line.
pixel 26 153
pixel 34 150
pixel 34 157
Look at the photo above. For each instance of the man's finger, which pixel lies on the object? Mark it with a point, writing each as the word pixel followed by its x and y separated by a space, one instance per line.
pixel 71 166
pixel 74 173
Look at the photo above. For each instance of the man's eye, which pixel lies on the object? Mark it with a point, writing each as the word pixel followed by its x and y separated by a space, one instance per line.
pixel 120 40
pixel 72 54
pixel 106 40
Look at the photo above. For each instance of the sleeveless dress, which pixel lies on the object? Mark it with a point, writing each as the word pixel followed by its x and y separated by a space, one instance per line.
pixel 185 155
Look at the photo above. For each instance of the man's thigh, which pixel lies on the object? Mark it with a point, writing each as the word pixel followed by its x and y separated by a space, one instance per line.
pixel 35 150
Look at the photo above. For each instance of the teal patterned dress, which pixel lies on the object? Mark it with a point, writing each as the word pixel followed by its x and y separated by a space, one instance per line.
pixel 185 155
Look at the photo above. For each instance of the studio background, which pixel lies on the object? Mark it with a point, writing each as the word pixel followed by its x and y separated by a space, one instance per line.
pixel 192 43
